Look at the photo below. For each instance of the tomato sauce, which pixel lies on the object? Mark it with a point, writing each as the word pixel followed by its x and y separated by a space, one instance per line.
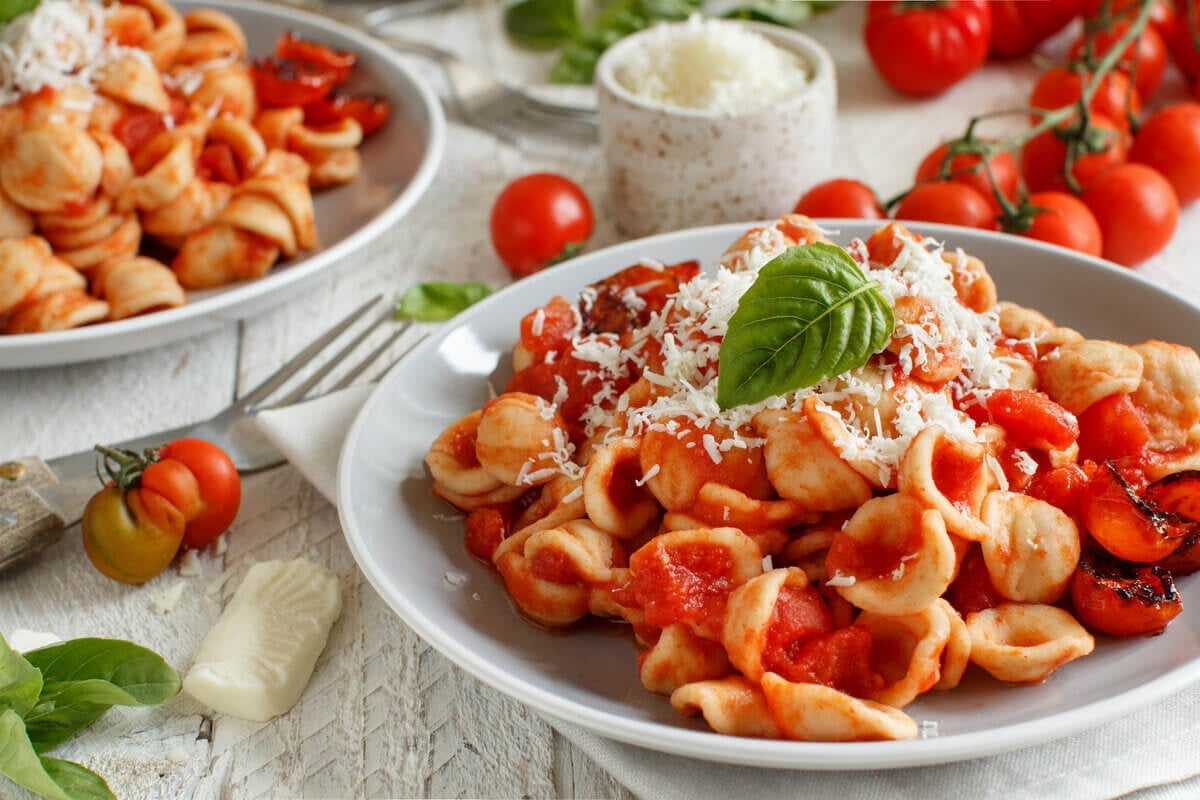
pixel 555 566
pixel 956 476
pixel 487 527
pixel 623 491
pixel 872 560
pixel 799 615
pixel 684 584
pixel 462 448
pixel 840 660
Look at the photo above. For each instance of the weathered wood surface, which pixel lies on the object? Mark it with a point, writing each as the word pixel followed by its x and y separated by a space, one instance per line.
pixel 384 716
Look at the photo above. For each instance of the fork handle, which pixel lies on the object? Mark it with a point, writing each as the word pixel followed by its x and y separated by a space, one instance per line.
pixel 28 524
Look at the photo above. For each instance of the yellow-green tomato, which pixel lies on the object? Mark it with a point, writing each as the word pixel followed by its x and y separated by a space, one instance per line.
pixel 131 535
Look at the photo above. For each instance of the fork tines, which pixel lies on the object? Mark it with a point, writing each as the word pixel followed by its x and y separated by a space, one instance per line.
pixel 306 389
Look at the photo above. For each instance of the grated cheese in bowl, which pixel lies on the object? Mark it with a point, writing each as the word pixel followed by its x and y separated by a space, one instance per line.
pixel 711 65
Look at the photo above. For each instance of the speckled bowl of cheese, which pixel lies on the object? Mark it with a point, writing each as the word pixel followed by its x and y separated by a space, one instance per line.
pixel 709 121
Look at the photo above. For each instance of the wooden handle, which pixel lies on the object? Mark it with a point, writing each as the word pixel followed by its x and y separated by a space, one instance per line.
pixel 28 524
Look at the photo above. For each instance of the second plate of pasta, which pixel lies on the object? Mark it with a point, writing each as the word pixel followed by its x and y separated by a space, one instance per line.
pixel 410 543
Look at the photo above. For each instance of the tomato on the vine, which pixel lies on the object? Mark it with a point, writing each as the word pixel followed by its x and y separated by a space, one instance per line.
pixel 1162 13
pixel 924 49
pixel 1169 141
pixel 947 202
pixel 1115 98
pixel 1183 41
pixel 1044 157
pixel 1019 26
pixel 184 494
pixel 968 168
pixel 840 197
pixel 538 220
pixel 1137 211
pixel 1064 220
pixel 1145 59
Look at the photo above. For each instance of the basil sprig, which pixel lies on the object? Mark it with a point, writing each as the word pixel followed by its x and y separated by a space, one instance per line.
pixel 437 301
pixel 811 314
pixel 50 694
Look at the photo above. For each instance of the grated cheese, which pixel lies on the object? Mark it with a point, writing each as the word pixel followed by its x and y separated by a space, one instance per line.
pixel 711 65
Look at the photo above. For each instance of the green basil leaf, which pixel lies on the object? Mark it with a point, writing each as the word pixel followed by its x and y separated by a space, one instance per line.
pixel 435 302
pixel 20 763
pixel 541 24
pixel 11 9
pixel 20 681
pixel 618 19
pixel 811 314
pixel 77 780
pixel 83 678
pixel 788 13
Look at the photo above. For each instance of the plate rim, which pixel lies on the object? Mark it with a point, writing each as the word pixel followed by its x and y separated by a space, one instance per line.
pixel 20 351
pixel 700 744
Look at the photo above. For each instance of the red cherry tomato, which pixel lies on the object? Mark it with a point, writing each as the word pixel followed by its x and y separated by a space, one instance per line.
pixel 1162 15
pixel 1031 419
pixel 279 84
pixel 968 168
pixel 1116 98
pixel 1169 141
pixel 1044 157
pixel 1019 26
pixel 1064 220
pixel 290 47
pixel 948 202
pixel 840 197
pixel 220 488
pixel 369 111
pixel 539 220
pixel 1145 59
pixel 1123 599
pixel 1183 40
pixel 1123 523
pixel 924 49
pixel 1137 211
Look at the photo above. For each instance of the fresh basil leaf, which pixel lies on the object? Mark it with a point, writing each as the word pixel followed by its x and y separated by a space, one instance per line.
pixel 142 673
pixel 79 782
pixel 20 681
pixel 789 13
pixel 20 763
pixel 541 24
pixel 435 302
pixel 11 9
pixel 811 314
pixel 618 19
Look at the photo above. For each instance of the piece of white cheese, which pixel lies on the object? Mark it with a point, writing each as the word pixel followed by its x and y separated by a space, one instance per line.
pixel 257 659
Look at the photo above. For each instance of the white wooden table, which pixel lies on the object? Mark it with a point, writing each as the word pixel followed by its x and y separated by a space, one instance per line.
pixel 384 716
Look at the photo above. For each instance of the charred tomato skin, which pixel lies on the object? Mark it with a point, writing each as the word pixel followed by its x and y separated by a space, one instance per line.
pixel 1123 599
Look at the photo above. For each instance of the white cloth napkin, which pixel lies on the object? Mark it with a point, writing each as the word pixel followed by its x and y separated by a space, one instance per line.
pixel 1154 752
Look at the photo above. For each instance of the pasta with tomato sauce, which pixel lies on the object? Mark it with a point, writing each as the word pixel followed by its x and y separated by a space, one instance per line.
pixel 142 150
pixel 988 488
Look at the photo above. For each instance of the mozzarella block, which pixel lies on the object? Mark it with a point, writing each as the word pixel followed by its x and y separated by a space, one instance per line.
pixel 257 659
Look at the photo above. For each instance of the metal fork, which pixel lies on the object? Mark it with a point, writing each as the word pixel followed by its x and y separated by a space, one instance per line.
pixel 38 499
pixel 483 101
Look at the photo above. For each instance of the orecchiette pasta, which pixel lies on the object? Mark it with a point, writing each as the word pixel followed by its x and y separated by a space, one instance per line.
pixel 147 125
pixel 806 566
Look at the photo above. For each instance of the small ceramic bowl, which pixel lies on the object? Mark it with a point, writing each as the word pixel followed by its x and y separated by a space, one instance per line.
pixel 671 168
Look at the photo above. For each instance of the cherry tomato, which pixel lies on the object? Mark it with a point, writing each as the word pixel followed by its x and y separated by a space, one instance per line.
pixel 290 47
pixel 1145 59
pixel 1112 428
pixel 1123 599
pixel 131 535
pixel 1044 157
pixel 1177 493
pixel 1169 141
pixel 1019 26
pixel 1183 40
pixel 968 168
pixel 1064 220
pixel 1031 419
pixel 840 197
pixel 610 311
pixel 220 488
pixel 1115 98
pixel 924 49
pixel 1137 211
pixel 538 220
pixel 369 111
pixel 949 202
pixel 1162 15
pixel 1122 522
pixel 280 84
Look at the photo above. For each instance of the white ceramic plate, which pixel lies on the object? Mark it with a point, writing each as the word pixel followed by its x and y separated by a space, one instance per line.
pixel 399 163
pixel 412 551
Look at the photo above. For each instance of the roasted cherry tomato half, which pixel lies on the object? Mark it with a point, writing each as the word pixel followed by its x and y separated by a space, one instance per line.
pixel 369 111
pixel 1122 599
pixel 1178 493
pixel 131 535
pixel 290 47
pixel 279 83
pixel 1123 523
